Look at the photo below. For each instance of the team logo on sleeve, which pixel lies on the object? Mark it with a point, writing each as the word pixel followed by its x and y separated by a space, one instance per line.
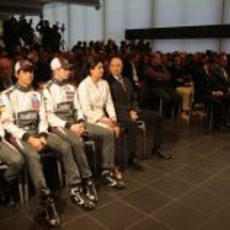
pixel 35 102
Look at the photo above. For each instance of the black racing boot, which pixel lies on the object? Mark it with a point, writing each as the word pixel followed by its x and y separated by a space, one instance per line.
pixel 110 179
pixel 90 190
pixel 49 209
pixel 78 198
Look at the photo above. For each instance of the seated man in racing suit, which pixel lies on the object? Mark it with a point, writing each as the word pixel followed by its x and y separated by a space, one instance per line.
pixel 24 118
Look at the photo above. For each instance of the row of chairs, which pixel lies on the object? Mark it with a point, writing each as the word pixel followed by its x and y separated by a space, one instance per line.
pixel 3 167
pixel 23 178
pixel 207 108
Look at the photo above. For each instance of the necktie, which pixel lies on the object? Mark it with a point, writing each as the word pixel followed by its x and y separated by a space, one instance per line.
pixel 134 70
pixel 225 74
pixel 122 83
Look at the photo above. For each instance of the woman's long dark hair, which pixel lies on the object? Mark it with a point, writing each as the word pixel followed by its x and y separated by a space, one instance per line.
pixel 92 62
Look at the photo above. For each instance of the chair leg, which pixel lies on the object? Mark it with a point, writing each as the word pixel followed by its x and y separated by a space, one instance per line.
pixel 26 186
pixel 210 123
pixel 161 106
pixel 20 189
pixel 227 117
pixel 94 158
pixel 173 112
pixel 144 142
pixel 143 128
pixel 60 174
pixel 190 112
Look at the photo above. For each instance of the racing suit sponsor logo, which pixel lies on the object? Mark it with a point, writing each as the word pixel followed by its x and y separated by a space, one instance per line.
pixel 35 103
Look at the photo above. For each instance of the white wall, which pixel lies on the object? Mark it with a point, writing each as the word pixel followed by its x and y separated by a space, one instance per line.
pixel 77 25
pixel 187 13
pixel 138 14
pixel 168 13
pixel 93 24
pixel 81 22
pixel 225 44
pixel 86 23
pixel 115 15
pixel 49 11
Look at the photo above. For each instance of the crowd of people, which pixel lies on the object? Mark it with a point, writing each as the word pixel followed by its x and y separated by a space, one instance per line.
pixel 57 100
pixel 21 34
pixel 172 80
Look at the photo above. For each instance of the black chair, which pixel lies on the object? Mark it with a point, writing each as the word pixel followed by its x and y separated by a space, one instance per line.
pixel 208 108
pixel 141 125
pixel 3 167
pixel 44 156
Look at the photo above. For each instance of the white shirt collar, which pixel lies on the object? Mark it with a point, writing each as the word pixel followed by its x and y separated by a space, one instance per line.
pixel 117 77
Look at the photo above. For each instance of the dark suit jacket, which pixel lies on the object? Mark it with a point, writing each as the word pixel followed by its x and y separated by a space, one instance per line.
pixel 124 101
pixel 128 72
pixel 223 83
pixel 7 85
pixel 204 84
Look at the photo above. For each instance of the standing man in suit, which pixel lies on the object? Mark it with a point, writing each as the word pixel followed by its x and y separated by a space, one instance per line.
pixel 127 110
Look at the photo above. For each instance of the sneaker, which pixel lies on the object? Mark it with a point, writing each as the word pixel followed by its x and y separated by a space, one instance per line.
pixel 79 199
pixel 50 211
pixel 90 190
pixel 110 181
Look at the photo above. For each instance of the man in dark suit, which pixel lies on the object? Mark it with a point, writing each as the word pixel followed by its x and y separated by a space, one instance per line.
pixel 157 83
pixel 222 78
pixel 209 89
pixel 127 110
pixel 223 74
pixel 132 70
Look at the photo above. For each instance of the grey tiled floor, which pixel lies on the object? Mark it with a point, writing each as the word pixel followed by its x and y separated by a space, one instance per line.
pixel 191 191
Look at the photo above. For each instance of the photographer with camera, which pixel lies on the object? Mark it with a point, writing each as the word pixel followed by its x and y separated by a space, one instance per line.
pixel 46 33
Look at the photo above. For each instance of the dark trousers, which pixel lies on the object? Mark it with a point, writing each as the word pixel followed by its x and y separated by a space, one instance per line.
pixel 219 107
pixel 33 160
pixel 104 142
pixel 10 156
pixel 171 99
pixel 154 128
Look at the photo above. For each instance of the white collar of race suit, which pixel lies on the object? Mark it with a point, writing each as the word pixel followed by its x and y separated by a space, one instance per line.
pixel 24 89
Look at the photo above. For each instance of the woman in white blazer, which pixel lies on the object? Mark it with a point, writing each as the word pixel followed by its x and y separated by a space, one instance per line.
pixel 97 105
